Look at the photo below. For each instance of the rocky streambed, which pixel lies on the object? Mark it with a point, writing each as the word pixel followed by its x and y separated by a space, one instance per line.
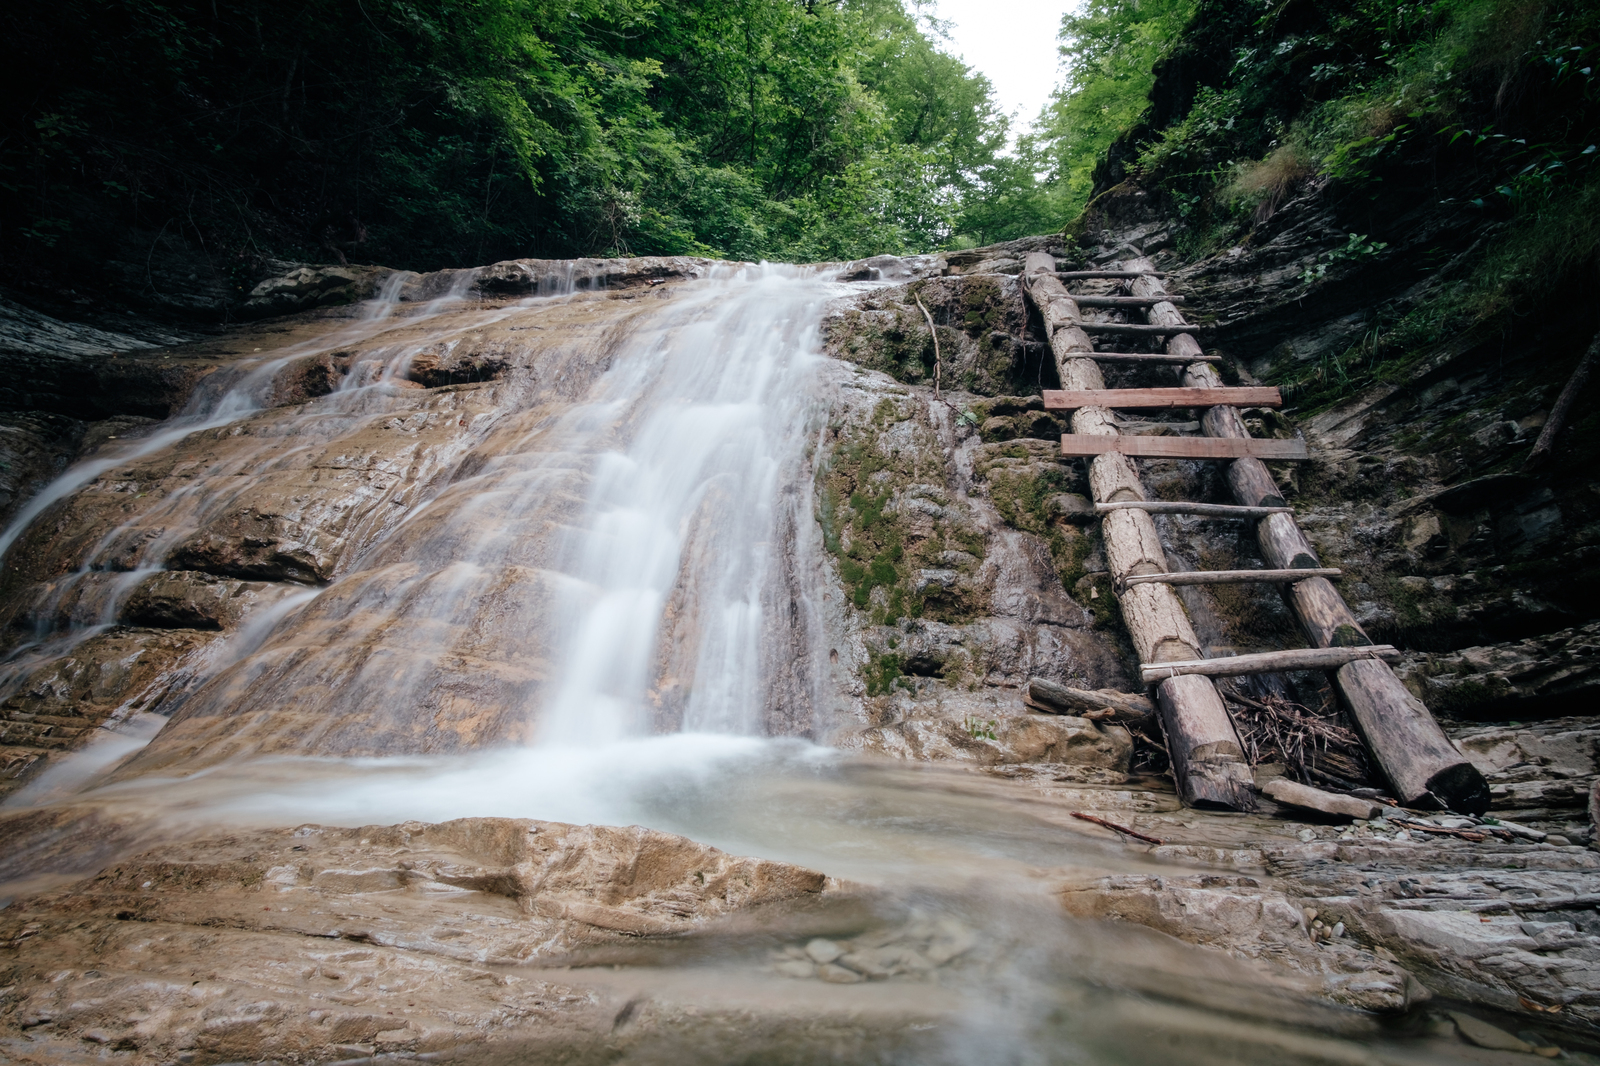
pixel 360 558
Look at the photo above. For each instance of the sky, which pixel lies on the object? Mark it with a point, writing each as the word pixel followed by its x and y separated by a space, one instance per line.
pixel 1012 42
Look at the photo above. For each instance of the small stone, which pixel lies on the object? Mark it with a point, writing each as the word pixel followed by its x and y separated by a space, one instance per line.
pixel 1484 1035
pixel 1306 835
pixel 1338 930
pixel 1311 914
pixel 97 1036
pixel 796 968
pixel 1548 1052
pixel 823 951
pixel 1558 840
pixel 838 975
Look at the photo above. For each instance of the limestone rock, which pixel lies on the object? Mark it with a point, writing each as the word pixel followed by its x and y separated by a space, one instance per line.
pixel 300 286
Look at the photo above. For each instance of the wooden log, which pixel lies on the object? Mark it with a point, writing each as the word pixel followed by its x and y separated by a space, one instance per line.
pixel 1270 662
pixel 1127 399
pixel 1134 329
pixel 1054 698
pixel 1125 301
pixel 1314 799
pixel 1211 768
pixel 1208 762
pixel 1228 577
pixel 1417 757
pixel 1076 445
pixel 1067 275
pixel 1419 760
pixel 1208 510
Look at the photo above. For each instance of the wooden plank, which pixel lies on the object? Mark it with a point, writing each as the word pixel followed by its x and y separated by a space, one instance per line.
pixel 1227 577
pixel 1124 399
pixel 1269 662
pixel 1109 274
pixel 1124 301
pixel 1208 510
pixel 1134 329
pixel 1144 357
pixel 1076 445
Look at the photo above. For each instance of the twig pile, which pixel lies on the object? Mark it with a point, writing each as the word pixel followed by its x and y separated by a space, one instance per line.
pixel 1316 747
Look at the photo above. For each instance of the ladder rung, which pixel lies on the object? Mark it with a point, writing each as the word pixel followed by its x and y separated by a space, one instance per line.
pixel 1248 396
pixel 1269 662
pixel 1228 577
pixel 1141 357
pixel 1139 329
pixel 1078 445
pixel 1110 274
pixel 1125 301
pixel 1210 510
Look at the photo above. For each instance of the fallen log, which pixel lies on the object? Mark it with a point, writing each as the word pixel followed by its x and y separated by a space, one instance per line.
pixel 1100 704
pixel 1208 510
pixel 1270 662
pixel 1228 577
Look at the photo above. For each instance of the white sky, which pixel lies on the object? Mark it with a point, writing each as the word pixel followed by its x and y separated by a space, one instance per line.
pixel 1012 42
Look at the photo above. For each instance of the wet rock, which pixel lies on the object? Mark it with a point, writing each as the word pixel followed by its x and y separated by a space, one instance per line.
pixel 192 599
pixel 1488 1036
pixel 1537 677
pixel 1027 738
pixel 303 944
pixel 301 286
pixel 454 366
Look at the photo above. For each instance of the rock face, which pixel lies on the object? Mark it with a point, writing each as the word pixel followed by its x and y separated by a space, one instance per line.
pixel 294 943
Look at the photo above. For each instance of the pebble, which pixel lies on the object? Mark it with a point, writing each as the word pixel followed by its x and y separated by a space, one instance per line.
pixel 1481 1033
pixel 1558 840
pixel 1338 929
pixel 823 951
pixel 1307 835
pixel 839 975
pixel 796 968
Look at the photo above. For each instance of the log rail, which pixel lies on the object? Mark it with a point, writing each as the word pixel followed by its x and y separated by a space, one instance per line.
pixel 1208 762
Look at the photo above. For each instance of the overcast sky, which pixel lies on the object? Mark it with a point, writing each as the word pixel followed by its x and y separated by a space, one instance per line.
pixel 1013 42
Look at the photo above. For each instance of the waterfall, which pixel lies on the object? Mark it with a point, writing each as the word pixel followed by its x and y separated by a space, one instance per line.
pixel 593 547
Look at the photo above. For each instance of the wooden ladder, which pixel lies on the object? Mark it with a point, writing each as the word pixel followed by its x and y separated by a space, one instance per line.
pixel 1208 760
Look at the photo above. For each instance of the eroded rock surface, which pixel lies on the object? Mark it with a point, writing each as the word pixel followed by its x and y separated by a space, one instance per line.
pixel 319 944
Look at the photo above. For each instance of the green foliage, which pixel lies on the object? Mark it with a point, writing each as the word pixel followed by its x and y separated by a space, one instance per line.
pixel 980 728
pixel 427 133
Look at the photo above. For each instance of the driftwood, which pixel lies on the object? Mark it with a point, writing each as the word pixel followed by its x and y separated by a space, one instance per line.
pixel 1130 399
pixel 1124 830
pixel 1558 414
pixel 1208 760
pixel 1314 799
pixel 1098 704
pixel 1419 760
pixel 1228 577
pixel 937 361
pixel 1270 662
pixel 1209 510
pixel 1074 445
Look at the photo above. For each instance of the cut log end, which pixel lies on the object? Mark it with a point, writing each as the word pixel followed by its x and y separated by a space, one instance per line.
pixel 1461 788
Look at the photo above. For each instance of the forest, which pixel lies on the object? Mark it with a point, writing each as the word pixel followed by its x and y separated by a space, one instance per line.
pixel 432 133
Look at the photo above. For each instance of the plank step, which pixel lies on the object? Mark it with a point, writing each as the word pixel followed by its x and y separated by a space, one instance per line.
pixel 1078 445
pixel 1269 662
pixel 1142 357
pixel 1209 510
pixel 1228 577
pixel 1247 396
